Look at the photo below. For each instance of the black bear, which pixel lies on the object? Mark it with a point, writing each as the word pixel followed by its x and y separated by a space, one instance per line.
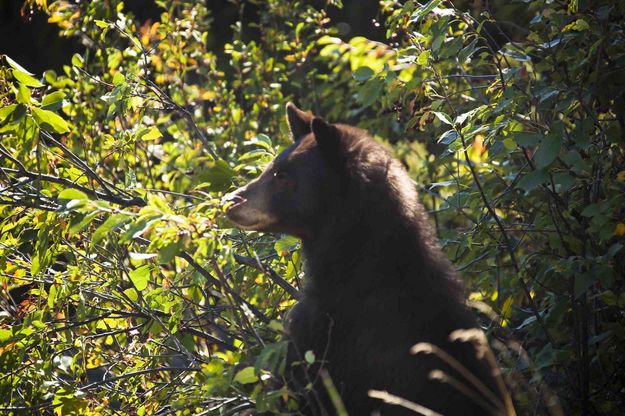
pixel 377 282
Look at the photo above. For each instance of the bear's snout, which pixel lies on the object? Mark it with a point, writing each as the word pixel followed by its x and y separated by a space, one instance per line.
pixel 248 209
pixel 234 201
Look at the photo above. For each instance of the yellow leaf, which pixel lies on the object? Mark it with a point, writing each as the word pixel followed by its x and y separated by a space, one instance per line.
pixel 506 310
pixel 578 26
pixel 150 133
pixel 208 95
pixel 476 296
pixel 619 230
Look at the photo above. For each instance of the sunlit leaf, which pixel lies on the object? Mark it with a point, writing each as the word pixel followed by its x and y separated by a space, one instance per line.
pixel 26 79
pixel 150 133
pixel 50 101
pixel 140 277
pixel 113 222
pixel 48 118
pixel 443 117
pixel 141 256
pixel 17 66
pixel 72 193
pixel 246 376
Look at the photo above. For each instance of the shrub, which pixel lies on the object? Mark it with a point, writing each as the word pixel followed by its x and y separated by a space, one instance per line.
pixel 124 286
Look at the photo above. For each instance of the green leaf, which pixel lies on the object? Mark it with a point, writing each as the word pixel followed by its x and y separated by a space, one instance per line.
pixel 161 204
pixel 167 253
pixel 423 58
pixel 101 23
pixel 509 143
pixel 533 180
pixel 113 222
pixel 51 119
pixel 17 66
pixel 546 357
pixel 137 228
pixel 5 335
pixel 564 181
pixel 246 376
pixel 53 100
pixel 69 402
pixel 284 245
pixel 6 111
pixel 79 222
pixel 140 277
pixel 218 176
pixel 77 60
pixel 363 73
pixel 132 294
pixel 451 47
pixel 309 356
pixel 547 93
pixel 298 29
pixel 547 151
pixel 370 91
pixel 527 139
pixel 592 210
pixel 271 358
pixel 424 10
pixel 150 133
pixel 26 79
pixel 457 200
pixel 23 94
pixel 12 122
pixel 52 295
pixel 448 137
pixel 71 193
pixel 464 116
pixel 443 117
pixel 119 79
pixel 467 51
pixel 261 140
pixel 276 326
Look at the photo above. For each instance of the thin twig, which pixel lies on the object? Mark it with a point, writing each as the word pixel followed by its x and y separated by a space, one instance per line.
pixel 279 280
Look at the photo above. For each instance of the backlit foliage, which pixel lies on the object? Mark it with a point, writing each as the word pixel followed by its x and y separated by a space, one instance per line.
pixel 124 289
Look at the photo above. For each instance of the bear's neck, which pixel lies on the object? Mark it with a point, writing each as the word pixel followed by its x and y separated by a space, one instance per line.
pixel 391 251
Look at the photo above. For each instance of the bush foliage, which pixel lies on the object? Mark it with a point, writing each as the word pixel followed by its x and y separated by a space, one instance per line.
pixel 126 290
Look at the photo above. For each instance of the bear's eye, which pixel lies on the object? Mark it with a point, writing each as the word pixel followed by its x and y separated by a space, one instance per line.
pixel 280 175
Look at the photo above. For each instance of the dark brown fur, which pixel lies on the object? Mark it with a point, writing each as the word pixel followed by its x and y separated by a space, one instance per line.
pixel 377 282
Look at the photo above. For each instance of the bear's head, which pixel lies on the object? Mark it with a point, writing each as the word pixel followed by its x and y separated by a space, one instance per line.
pixel 329 169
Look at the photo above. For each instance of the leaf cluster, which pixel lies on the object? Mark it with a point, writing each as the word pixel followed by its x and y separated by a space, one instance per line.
pixel 126 290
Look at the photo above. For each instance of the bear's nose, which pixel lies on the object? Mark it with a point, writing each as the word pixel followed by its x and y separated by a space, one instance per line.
pixel 232 199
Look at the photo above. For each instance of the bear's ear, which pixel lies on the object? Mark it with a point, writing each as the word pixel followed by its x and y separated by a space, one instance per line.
pixel 326 134
pixel 298 120
pixel 328 137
